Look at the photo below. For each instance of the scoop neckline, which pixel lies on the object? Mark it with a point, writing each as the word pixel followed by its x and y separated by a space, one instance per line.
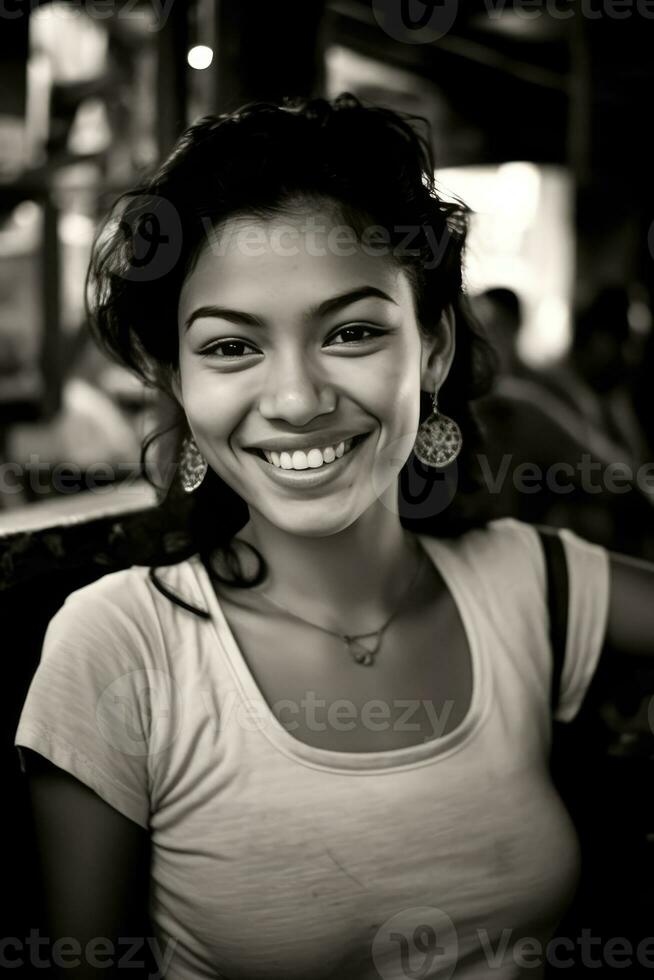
pixel 404 757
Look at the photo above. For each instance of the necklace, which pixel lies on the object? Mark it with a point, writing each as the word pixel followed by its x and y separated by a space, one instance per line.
pixel 360 653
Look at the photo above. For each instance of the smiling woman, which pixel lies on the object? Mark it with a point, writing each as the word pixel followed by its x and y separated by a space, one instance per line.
pixel 329 715
pixel 303 376
pixel 321 217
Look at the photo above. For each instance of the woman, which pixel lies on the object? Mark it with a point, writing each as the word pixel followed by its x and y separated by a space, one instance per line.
pixel 322 734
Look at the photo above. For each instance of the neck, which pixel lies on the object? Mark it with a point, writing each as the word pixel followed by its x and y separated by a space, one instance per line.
pixel 353 576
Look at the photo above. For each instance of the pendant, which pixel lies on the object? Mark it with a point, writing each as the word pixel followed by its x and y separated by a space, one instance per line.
pixel 362 656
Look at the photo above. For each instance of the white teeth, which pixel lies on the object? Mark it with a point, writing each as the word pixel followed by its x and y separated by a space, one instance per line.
pixel 313 459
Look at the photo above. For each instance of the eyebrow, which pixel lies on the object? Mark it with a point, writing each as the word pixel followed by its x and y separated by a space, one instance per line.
pixel 321 309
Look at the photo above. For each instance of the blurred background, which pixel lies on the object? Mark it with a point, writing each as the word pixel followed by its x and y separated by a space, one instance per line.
pixel 538 116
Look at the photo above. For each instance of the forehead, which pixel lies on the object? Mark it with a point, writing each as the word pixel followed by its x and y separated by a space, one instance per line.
pixel 294 259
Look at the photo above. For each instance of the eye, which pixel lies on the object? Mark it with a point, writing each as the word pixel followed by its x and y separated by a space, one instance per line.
pixel 234 347
pixel 354 329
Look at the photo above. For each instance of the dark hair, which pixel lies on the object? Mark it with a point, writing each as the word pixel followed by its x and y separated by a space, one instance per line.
pixel 372 166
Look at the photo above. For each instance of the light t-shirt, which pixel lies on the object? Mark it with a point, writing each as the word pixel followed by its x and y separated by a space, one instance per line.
pixel 277 860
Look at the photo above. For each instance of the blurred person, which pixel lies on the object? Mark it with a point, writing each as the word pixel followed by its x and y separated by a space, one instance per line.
pixel 574 423
pixel 596 377
pixel 499 309
pixel 268 843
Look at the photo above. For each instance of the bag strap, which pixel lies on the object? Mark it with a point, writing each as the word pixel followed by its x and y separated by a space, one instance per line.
pixel 557 599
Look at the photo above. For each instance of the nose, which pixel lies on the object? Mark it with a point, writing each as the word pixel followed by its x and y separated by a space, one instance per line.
pixel 295 391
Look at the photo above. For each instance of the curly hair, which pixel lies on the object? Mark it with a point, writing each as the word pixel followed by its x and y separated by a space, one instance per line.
pixel 368 164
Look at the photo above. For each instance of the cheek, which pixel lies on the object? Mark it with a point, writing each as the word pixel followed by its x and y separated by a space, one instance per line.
pixel 401 391
pixel 212 408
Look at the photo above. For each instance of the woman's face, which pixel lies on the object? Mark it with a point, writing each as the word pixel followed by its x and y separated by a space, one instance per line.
pixel 293 338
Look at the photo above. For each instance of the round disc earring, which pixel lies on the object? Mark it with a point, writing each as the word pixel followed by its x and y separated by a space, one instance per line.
pixel 439 439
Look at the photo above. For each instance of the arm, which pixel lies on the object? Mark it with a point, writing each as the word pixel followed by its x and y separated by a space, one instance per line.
pixel 94 869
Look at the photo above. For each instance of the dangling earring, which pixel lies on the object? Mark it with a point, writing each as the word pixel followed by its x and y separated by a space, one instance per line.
pixel 192 465
pixel 439 439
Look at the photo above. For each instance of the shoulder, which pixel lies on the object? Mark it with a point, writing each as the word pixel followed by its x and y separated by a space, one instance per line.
pixel 112 604
pixel 122 613
pixel 120 588
pixel 499 558
pixel 501 538
pixel 131 593
pixel 511 544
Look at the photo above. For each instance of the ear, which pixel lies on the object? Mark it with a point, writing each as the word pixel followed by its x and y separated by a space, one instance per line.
pixel 438 352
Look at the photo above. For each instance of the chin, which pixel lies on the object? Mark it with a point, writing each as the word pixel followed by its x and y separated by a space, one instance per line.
pixel 318 521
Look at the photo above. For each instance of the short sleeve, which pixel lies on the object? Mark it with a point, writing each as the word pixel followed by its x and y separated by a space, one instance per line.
pixel 89 705
pixel 589 585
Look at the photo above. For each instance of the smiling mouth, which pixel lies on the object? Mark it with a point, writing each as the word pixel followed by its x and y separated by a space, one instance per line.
pixel 349 445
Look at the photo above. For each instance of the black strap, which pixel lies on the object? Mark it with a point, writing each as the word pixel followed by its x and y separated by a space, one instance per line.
pixel 557 598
